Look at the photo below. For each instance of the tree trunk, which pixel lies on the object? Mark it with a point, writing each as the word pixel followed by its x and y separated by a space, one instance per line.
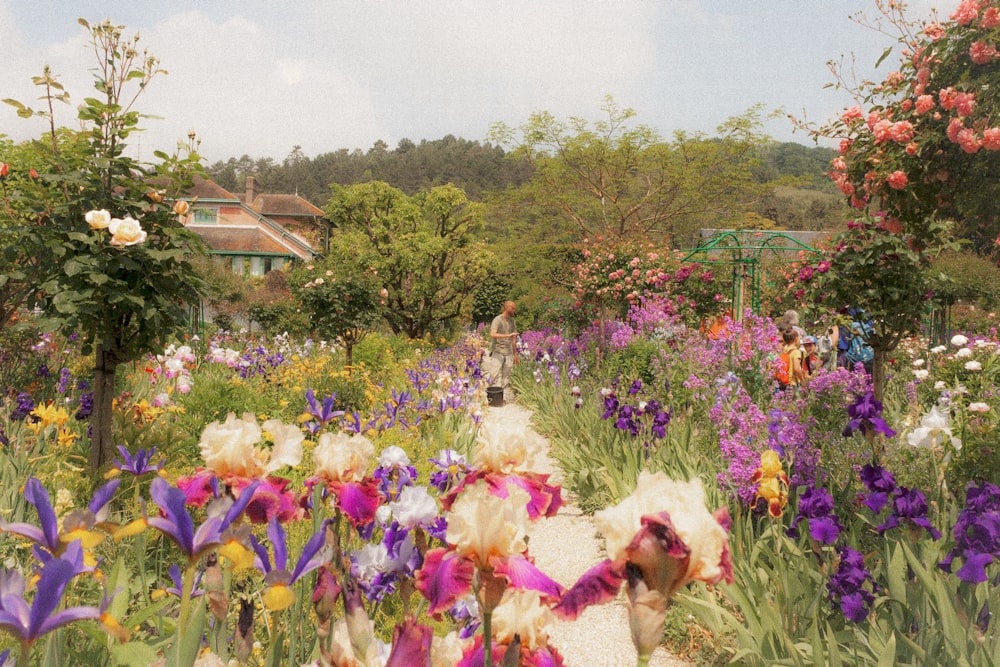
pixel 102 448
pixel 878 372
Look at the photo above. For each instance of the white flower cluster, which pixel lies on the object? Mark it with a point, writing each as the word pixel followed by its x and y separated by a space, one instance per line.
pixel 124 231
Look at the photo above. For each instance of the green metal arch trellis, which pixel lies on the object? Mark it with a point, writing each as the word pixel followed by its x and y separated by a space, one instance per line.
pixel 743 250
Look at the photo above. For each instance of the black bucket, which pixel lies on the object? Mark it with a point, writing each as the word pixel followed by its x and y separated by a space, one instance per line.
pixel 494 396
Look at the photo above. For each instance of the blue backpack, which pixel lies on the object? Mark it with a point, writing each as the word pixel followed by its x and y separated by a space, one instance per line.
pixel 858 351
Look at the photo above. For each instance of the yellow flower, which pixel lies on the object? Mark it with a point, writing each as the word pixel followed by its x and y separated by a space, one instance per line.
pixel 770 463
pixel 50 414
pixel 776 495
pixel 278 597
pixel 66 438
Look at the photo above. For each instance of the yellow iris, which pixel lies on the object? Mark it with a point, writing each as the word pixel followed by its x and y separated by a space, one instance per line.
pixel 770 463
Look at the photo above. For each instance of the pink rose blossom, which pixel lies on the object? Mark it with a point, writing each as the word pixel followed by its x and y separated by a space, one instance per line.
pixel 946 97
pixel 954 127
pixel 897 180
pixel 934 31
pixel 982 53
pixel 967 12
pixel 924 104
pixel 964 103
pixel 902 131
pixel 991 19
pixel 852 114
pixel 968 140
pixel 991 139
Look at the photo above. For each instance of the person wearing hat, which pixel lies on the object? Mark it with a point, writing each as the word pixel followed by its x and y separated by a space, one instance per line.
pixel 811 362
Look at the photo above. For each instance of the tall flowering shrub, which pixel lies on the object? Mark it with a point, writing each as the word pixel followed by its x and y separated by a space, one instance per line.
pixel 917 142
pixel 621 274
pixel 115 260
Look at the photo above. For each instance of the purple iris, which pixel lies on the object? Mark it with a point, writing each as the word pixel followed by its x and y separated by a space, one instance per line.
pixel 137 465
pixel 451 468
pixel 29 622
pixel 610 406
pixel 178 525
pixel 45 536
pixel 976 533
pixel 276 572
pixel 24 407
pixel 816 505
pixel 321 413
pixel 909 505
pixel 661 418
pixel 86 406
pixel 847 585
pixel 174 572
pixel 880 484
pixel 866 416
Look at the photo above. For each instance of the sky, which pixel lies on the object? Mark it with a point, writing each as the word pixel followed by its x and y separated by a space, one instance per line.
pixel 260 78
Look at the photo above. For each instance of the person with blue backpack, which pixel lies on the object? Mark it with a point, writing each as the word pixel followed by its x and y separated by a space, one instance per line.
pixel 853 345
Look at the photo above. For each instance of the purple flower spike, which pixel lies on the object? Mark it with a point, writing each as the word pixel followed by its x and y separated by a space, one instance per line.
pixel 847 585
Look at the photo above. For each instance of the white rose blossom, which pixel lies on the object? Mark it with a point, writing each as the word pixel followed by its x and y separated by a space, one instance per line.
pixel 126 232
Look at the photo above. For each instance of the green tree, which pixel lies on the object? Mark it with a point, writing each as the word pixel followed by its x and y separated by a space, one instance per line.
pixel 115 260
pixel 616 179
pixel 875 268
pixel 423 248
pixel 343 304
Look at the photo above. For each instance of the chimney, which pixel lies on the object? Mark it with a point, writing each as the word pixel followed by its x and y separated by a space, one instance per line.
pixel 251 190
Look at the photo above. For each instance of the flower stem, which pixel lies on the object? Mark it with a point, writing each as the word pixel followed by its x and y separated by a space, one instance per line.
pixel 487 639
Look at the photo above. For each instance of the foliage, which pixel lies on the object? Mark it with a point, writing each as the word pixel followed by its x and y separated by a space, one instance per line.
pixel 422 248
pixel 922 144
pixel 489 298
pixel 971 280
pixel 619 180
pixel 122 294
pixel 475 167
pixel 882 273
pixel 343 305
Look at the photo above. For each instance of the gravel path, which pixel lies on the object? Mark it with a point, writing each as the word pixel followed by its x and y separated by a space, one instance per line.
pixel 564 547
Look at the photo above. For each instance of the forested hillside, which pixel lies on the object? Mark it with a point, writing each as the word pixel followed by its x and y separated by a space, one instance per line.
pixel 803 196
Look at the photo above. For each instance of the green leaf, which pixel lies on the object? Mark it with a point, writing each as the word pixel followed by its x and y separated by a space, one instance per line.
pixel 146 613
pixel 885 54
pixel 888 656
pixel 134 654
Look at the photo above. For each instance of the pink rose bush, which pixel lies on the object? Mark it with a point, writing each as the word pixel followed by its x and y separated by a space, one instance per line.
pixel 926 123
